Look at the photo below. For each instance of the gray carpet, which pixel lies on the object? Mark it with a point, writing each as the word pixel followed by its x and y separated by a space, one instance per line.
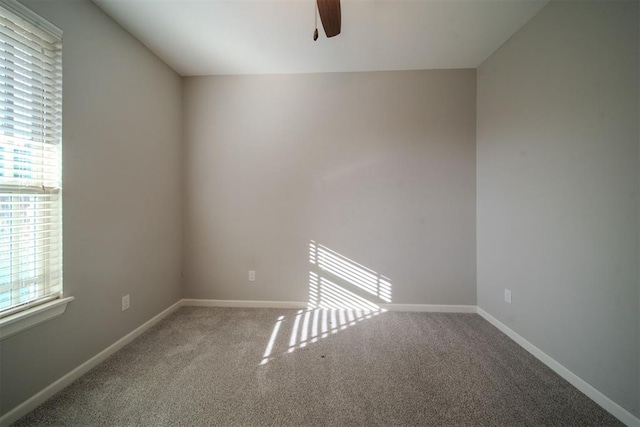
pixel 214 366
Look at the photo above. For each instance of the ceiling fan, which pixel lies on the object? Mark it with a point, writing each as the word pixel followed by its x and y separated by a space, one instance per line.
pixel 329 11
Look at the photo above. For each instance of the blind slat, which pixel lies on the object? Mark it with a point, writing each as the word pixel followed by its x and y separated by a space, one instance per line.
pixel 8 76
pixel 30 32
pixel 12 94
pixel 13 38
pixel 50 33
pixel 34 76
pixel 9 52
pixel 26 275
pixel 44 127
pixel 9 109
pixel 24 64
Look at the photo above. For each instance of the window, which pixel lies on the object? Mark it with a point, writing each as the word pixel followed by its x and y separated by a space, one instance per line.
pixel 30 160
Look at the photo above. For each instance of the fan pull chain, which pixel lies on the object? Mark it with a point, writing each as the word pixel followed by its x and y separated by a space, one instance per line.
pixel 315 15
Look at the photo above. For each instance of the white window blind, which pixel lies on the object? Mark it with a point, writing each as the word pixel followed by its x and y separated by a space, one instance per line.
pixel 30 161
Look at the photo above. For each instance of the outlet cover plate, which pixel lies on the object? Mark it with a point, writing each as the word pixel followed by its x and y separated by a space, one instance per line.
pixel 507 296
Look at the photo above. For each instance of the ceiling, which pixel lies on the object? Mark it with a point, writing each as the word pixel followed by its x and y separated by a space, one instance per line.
pixel 212 37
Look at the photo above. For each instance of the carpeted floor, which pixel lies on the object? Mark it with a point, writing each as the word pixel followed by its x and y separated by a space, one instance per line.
pixel 254 367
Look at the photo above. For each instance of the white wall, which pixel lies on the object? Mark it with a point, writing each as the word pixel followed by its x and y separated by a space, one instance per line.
pixel 557 190
pixel 379 167
pixel 122 214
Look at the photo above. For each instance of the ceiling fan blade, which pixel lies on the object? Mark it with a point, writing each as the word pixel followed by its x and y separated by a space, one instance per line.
pixel 330 15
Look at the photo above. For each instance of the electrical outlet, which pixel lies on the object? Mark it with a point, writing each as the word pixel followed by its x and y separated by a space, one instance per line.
pixel 125 302
pixel 507 296
pixel 252 275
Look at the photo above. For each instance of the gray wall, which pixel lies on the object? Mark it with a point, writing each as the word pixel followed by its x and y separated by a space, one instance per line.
pixel 379 167
pixel 557 189
pixel 121 175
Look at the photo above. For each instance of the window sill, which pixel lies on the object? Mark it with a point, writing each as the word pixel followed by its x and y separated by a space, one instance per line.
pixel 18 322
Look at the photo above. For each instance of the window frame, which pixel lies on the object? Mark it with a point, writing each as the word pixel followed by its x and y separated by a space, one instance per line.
pixel 31 313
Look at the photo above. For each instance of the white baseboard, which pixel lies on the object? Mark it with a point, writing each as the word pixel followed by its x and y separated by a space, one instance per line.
pixel 39 398
pixel 30 404
pixel 242 303
pixel 430 308
pixel 612 407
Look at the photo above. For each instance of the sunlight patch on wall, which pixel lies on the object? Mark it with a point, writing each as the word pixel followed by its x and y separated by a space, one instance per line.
pixel 324 293
pixel 350 271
